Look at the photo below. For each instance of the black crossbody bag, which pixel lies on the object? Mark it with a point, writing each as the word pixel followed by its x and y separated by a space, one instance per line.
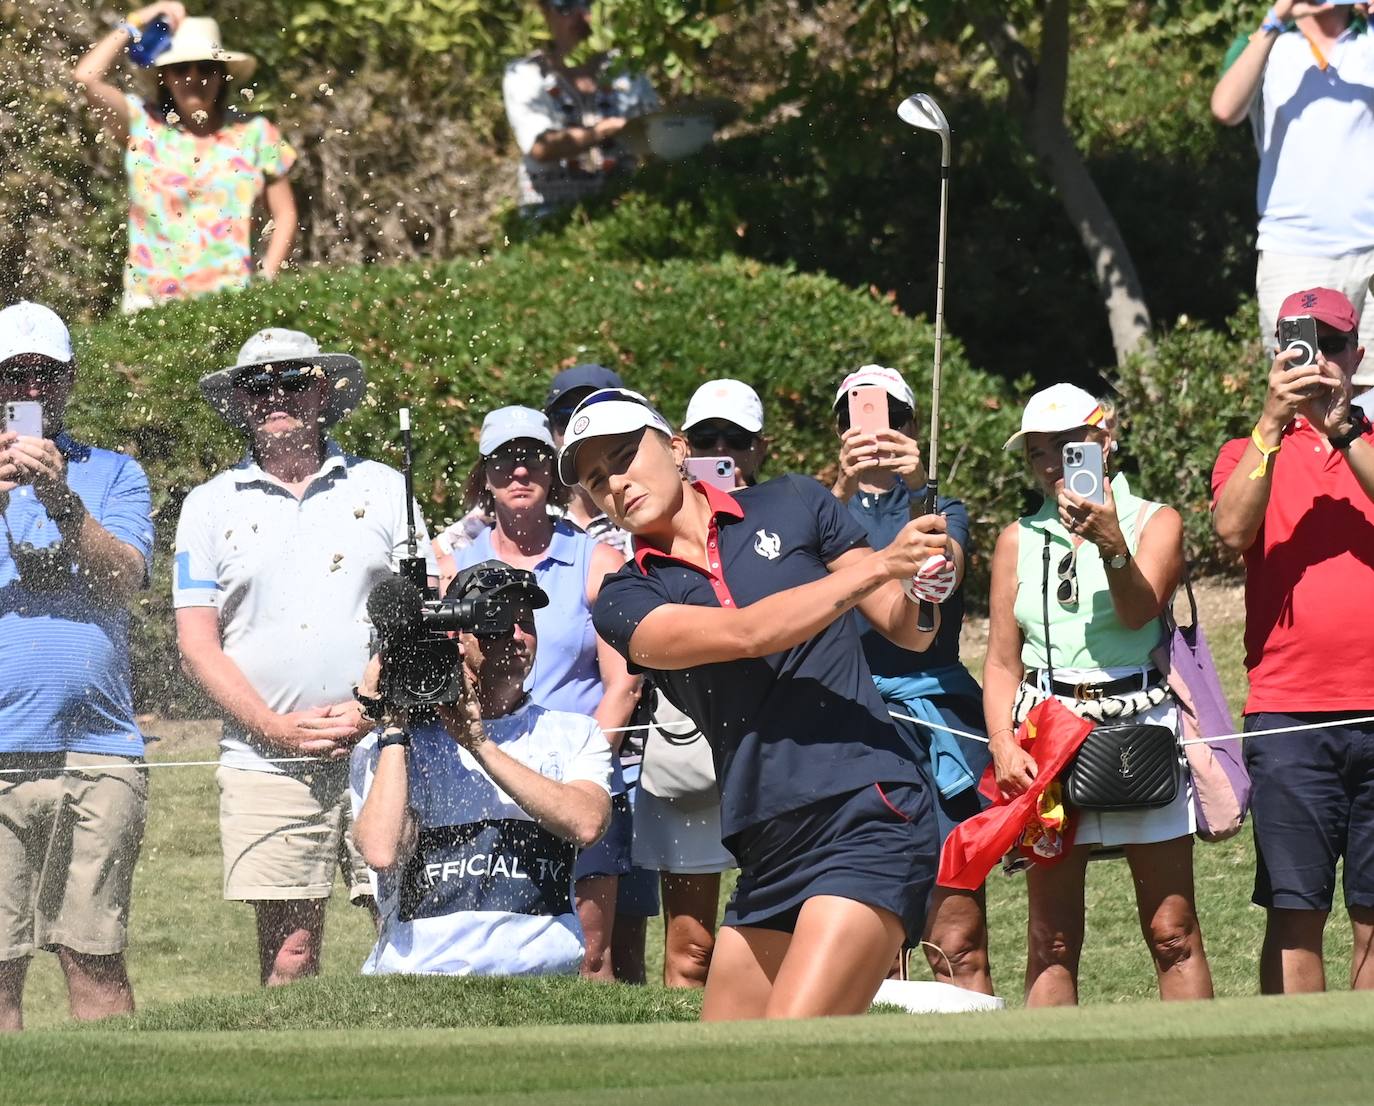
pixel 1120 765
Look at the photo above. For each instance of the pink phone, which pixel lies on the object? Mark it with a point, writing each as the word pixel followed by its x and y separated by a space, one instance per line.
pixel 868 409
pixel 719 472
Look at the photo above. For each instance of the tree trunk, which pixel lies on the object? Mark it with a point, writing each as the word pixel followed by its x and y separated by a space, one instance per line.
pixel 1037 99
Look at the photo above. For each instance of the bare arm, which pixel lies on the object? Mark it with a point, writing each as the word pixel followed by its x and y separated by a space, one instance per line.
pixel 1003 671
pixel 571 141
pixel 281 207
pixel 385 829
pixel 106 101
pixel 1235 91
pixel 299 733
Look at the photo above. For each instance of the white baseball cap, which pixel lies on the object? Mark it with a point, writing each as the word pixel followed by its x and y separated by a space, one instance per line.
pixel 889 380
pixel 729 400
pixel 605 414
pixel 1058 407
pixel 509 424
pixel 34 329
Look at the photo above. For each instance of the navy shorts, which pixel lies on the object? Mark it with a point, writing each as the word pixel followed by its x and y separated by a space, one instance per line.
pixel 876 846
pixel 1312 799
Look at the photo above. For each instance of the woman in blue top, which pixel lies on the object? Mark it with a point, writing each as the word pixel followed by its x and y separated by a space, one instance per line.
pixel 880 479
pixel 574 670
pixel 738 604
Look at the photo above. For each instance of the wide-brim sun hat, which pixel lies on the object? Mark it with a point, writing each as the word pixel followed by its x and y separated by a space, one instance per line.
pixel 197 38
pixel 889 380
pixel 277 347
pixel 727 400
pixel 1056 408
pixel 606 414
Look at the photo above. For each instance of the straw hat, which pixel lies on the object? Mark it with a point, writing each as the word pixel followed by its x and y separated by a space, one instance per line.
pixel 198 39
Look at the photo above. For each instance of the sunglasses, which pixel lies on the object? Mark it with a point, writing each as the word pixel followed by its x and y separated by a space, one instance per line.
pixel 561 416
pixel 1068 579
pixel 267 381
pixel 1334 344
pixel 526 624
pixel 732 437
pixel 199 68
pixel 507 461
pixel 14 376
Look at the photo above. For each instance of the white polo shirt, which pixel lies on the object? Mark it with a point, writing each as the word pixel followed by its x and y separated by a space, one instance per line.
pixel 1315 132
pixel 488 891
pixel 290 578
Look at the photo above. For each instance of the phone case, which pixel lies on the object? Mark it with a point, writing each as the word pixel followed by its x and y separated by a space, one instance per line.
pixel 868 408
pixel 1083 473
pixel 25 418
pixel 719 472
pixel 1299 332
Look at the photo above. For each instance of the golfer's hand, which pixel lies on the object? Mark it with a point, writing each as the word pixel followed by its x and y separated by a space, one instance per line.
pixel 1013 767
pixel 919 540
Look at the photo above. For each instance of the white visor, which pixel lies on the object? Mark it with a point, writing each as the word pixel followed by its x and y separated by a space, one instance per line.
pixel 606 414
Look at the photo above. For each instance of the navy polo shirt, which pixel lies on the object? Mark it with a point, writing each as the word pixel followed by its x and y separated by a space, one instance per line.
pixel 882 516
pixel 793 727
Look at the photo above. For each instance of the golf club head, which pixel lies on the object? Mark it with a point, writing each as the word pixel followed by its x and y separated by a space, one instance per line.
pixel 922 112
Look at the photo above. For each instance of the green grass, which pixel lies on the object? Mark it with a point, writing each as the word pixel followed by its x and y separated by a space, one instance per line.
pixel 1250 1050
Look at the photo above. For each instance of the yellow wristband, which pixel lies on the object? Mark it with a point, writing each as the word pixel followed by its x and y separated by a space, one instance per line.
pixel 1266 451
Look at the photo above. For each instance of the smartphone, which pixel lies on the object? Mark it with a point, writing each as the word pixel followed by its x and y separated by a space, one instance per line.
pixel 719 472
pixel 868 409
pixel 1083 473
pixel 25 418
pixel 1299 332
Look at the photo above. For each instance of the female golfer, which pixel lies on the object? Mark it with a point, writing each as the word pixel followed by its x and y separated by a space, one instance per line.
pixel 738 605
pixel 196 167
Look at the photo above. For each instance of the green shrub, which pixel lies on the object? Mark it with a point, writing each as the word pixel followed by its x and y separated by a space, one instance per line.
pixel 1199 389
pixel 453 341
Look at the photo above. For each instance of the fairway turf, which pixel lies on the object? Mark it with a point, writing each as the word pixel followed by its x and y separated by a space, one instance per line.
pixel 1297 1050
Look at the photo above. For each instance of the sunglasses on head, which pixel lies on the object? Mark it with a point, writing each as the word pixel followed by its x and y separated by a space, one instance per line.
pixel 266 381
pixel 733 437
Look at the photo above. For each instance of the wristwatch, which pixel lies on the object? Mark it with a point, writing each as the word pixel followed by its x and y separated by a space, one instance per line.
pixel 393 735
pixel 1358 427
pixel 1121 560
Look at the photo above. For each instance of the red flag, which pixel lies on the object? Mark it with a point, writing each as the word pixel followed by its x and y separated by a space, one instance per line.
pixel 1051 734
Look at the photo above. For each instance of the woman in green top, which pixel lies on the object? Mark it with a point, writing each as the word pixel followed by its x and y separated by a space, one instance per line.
pixel 1113 567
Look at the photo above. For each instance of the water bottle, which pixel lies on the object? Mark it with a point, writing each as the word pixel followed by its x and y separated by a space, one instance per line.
pixel 152 44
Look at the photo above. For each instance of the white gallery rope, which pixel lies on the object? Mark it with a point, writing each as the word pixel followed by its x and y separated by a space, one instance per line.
pixel 142 766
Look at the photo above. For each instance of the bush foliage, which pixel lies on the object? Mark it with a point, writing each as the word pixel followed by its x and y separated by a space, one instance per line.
pixel 453 341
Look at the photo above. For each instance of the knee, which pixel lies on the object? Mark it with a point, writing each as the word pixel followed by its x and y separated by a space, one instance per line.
pixel 1054 947
pixel 687 959
pixel 959 955
pixel 296 957
pixel 1173 939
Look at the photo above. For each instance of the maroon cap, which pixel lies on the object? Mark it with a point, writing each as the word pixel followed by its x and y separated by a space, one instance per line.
pixel 1323 304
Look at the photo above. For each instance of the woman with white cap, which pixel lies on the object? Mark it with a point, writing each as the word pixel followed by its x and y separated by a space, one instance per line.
pixel 738 606
pixel 725 419
pixel 1089 580
pixel 195 166
pixel 882 479
pixel 574 670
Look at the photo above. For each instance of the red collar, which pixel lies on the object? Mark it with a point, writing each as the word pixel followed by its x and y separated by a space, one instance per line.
pixel 720 502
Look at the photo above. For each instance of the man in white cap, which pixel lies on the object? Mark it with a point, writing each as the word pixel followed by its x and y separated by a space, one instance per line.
pixel 275 559
pixel 725 419
pixel 78 545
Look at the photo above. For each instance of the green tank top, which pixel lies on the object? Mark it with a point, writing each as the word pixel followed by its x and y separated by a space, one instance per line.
pixel 1088 635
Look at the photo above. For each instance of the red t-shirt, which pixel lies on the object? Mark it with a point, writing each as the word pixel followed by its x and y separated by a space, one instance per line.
pixel 1309 580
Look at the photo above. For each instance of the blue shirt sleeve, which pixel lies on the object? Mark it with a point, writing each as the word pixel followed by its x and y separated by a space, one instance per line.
pixel 127 511
pixel 837 531
pixel 956 522
pixel 622 604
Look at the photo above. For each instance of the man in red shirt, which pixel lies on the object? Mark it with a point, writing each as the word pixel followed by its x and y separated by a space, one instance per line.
pixel 1297 499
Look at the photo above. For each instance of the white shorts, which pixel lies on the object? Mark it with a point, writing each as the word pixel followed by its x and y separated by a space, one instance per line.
pixel 1278 275
pixel 671 838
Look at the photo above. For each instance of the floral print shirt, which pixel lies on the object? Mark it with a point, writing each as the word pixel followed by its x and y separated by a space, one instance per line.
pixel 191 201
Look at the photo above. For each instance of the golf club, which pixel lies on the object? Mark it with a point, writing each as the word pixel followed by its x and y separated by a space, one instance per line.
pixel 923 113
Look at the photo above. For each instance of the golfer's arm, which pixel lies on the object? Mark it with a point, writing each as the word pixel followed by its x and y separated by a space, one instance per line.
pixel 680 636
pixel 384 830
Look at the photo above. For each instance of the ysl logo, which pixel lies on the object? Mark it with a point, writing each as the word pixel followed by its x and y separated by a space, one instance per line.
pixel 1125 769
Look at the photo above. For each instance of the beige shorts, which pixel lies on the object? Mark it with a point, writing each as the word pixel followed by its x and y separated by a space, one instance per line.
pixel 68 846
pixel 283 835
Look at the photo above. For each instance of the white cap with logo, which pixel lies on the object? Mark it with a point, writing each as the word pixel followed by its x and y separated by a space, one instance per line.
pixel 33 329
pixel 1058 407
pixel 728 400
pixel 605 414
pixel 509 424
pixel 880 376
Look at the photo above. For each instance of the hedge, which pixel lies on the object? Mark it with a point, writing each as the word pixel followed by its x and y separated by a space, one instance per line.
pixel 453 341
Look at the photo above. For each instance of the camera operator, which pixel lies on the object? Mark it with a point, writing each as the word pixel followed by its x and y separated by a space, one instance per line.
pixel 275 560
pixel 1296 497
pixel 78 545
pixel 473 822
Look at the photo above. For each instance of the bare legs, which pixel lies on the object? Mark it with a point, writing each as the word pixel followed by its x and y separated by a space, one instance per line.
pixel 1163 875
pixel 596 912
pixel 830 964
pixel 690 906
pixel 12 973
pixel 958 928
pixel 97 987
pixel 290 937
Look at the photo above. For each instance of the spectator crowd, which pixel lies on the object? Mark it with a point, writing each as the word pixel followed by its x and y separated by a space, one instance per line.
pixel 696 665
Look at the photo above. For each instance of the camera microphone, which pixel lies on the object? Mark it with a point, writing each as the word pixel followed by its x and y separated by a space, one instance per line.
pixel 394 604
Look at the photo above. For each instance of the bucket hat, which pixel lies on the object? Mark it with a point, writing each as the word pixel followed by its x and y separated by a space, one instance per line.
pixel 277 347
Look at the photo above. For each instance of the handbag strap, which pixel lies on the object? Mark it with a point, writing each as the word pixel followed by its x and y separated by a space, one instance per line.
pixel 1045 607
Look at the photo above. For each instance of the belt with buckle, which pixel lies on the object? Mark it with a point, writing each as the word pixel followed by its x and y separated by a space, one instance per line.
pixel 1086 692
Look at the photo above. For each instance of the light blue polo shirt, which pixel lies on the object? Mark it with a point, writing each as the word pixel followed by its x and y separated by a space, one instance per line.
pixel 65 684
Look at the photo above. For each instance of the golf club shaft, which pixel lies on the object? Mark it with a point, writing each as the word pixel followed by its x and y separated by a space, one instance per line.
pixel 925 618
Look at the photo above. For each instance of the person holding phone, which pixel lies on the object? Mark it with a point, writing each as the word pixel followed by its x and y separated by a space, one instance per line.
pixel 738 606
pixel 724 421
pixel 77 546
pixel 1296 498
pixel 876 462
pixel 196 166
pixel 1113 566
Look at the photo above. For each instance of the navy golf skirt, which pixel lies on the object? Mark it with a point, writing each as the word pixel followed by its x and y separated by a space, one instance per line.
pixel 876 846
